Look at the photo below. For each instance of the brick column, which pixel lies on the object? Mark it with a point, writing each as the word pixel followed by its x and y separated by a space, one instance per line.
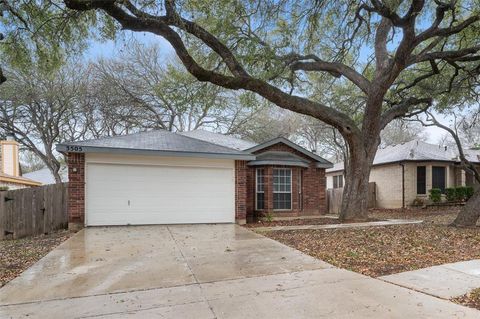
pixel 268 188
pixel 240 192
pixel 76 190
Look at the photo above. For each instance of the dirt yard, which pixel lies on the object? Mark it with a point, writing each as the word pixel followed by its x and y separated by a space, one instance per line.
pixel 16 255
pixel 378 251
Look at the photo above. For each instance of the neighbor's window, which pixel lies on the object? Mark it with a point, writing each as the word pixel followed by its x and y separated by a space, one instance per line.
pixel 338 181
pixel 260 189
pixel 438 178
pixel 282 188
pixel 421 180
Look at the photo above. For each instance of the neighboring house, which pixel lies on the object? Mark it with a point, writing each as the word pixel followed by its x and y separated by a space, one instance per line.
pixel 159 177
pixel 405 172
pixel 46 177
pixel 10 168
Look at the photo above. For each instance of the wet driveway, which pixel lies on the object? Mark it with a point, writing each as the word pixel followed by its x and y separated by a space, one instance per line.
pixel 201 271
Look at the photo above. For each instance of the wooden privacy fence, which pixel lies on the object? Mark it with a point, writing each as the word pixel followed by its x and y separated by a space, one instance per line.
pixel 33 211
pixel 335 195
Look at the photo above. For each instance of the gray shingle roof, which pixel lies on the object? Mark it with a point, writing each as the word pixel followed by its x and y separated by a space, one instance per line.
pixel 415 151
pixel 220 139
pixel 158 141
pixel 321 162
pixel 279 158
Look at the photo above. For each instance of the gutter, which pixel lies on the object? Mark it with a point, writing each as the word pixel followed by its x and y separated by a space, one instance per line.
pixel 403 183
pixel 64 148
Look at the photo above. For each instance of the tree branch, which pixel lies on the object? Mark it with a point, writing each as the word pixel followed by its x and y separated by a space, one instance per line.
pixel 160 26
pixel 334 68
pixel 399 110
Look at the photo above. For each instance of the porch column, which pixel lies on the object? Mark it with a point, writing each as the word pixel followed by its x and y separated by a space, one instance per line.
pixel 76 190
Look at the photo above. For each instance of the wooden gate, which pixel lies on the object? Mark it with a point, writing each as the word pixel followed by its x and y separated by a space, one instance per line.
pixel 33 211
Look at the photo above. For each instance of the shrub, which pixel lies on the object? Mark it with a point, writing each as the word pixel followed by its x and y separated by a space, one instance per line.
pixel 461 193
pixel 469 192
pixel 268 216
pixel 3 188
pixel 418 202
pixel 435 195
pixel 451 194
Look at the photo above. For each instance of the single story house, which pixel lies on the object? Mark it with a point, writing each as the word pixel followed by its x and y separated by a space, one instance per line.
pixel 405 172
pixel 10 168
pixel 160 177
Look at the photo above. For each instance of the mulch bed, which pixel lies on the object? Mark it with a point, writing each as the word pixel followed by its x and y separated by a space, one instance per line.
pixel 16 255
pixel 378 251
pixel 472 299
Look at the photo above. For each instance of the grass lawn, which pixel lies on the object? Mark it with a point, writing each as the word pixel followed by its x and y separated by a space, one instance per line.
pixel 18 254
pixel 377 251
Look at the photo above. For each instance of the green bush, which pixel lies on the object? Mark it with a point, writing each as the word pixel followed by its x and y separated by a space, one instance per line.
pixel 268 217
pixel 451 194
pixel 3 188
pixel 469 192
pixel 461 193
pixel 435 195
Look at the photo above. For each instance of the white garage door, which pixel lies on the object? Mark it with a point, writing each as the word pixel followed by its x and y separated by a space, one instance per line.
pixel 138 195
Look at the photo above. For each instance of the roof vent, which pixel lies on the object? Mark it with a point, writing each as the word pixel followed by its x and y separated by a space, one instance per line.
pixel 446 148
pixel 412 153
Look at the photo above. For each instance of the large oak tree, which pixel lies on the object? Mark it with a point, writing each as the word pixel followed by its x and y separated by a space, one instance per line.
pixel 381 50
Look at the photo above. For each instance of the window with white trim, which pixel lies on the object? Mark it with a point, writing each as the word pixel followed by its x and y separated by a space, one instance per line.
pixel 282 189
pixel 260 189
pixel 338 181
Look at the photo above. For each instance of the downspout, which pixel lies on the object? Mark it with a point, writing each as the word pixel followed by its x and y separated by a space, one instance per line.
pixel 403 184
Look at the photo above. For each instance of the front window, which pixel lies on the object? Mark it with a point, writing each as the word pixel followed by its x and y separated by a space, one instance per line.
pixel 338 181
pixel 438 178
pixel 282 189
pixel 260 189
pixel 421 180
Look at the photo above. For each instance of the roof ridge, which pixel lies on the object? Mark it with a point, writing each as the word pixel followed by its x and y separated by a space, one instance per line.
pixel 196 139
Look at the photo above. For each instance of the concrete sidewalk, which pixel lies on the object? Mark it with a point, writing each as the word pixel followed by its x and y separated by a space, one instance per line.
pixel 388 222
pixel 202 271
pixel 445 281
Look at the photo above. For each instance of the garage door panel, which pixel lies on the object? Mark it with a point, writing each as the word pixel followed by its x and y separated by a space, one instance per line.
pixel 129 194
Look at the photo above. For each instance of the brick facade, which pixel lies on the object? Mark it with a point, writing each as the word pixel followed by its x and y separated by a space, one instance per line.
pixel 308 195
pixel 240 191
pixel 308 187
pixel 76 190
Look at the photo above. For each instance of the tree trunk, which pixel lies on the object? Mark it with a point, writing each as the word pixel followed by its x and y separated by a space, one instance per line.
pixel 470 213
pixel 355 192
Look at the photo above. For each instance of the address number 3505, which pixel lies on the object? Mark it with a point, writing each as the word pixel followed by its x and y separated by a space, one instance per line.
pixel 74 149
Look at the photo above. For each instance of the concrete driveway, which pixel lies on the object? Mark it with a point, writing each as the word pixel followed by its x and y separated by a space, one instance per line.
pixel 202 271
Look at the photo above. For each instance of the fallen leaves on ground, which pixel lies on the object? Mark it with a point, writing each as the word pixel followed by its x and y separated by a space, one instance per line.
pixel 472 299
pixel 293 222
pixel 378 251
pixel 299 222
pixel 16 255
